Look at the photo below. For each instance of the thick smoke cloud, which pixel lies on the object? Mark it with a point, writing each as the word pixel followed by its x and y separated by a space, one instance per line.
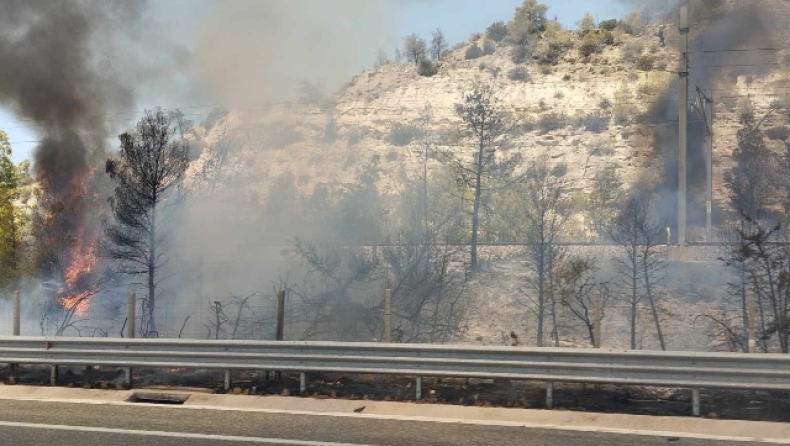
pixel 718 27
pixel 252 51
pixel 49 75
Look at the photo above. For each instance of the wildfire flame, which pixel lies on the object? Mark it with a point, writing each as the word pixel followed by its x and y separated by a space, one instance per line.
pixel 77 275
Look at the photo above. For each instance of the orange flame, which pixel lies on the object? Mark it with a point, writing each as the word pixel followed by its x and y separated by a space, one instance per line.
pixel 82 259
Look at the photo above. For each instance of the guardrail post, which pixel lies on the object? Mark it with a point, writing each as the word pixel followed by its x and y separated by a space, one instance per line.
pixel 302 382
pixel 227 380
pixel 53 375
pixel 695 406
pixel 597 318
pixel 17 320
pixel 418 388
pixel 131 320
pixel 17 313
pixel 549 395
pixel 387 315
pixel 751 321
pixel 280 333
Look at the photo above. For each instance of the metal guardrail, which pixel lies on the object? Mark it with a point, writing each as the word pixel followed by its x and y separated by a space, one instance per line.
pixel 664 369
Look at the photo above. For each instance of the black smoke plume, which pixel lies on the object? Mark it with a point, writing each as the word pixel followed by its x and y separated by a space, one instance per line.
pixel 721 33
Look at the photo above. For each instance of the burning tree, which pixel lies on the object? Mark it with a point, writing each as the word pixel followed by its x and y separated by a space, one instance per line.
pixel 151 162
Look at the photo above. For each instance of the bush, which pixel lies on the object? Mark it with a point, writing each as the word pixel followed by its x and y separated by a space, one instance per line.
pixel 497 31
pixel 608 25
pixel 601 149
pixel 596 121
pixel 646 63
pixel 403 134
pixel 473 52
pixel 518 74
pixel 605 104
pixel 427 68
pixel 546 69
pixel 520 53
pixel 633 50
pixel 594 42
pixel 449 136
pixel 488 48
pixel 633 24
pixel 392 156
pixel 482 66
pixel 653 85
pixel 624 113
pixel 527 124
pixel 587 23
pixel 552 121
pixel 780 133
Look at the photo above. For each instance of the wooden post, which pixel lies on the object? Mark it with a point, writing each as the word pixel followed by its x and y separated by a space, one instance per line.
pixel 17 313
pixel 597 318
pixel 131 319
pixel 387 315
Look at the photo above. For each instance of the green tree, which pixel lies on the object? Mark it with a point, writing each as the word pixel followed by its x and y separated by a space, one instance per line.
pixel 530 19
pixel 9 215
pixel 587 23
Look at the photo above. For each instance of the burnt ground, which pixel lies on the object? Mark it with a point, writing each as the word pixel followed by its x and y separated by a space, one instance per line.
pixel 638 400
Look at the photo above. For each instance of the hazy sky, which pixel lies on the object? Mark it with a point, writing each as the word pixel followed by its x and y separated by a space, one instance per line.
pixel 457 18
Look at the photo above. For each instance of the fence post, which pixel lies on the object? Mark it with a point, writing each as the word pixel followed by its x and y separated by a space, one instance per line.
pixel 17 313
pixel 549 395
pixel 131 319
pixel 280 334
pixel 387 315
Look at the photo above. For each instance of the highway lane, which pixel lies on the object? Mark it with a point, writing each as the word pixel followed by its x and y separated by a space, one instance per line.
pixel 71 424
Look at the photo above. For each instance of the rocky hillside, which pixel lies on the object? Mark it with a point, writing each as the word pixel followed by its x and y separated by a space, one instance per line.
pixel 593 105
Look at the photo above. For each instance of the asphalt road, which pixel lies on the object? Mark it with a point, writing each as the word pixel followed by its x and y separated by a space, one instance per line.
pixel 68 424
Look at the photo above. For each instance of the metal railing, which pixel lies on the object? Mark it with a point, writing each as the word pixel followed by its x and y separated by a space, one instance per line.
pixel 665 369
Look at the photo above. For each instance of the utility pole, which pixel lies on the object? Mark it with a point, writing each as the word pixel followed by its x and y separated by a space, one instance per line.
pixel 683 73
pixel 704 107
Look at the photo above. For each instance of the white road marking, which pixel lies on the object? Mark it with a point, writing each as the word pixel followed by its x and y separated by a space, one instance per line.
pixel 570 428
pixel 104 430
